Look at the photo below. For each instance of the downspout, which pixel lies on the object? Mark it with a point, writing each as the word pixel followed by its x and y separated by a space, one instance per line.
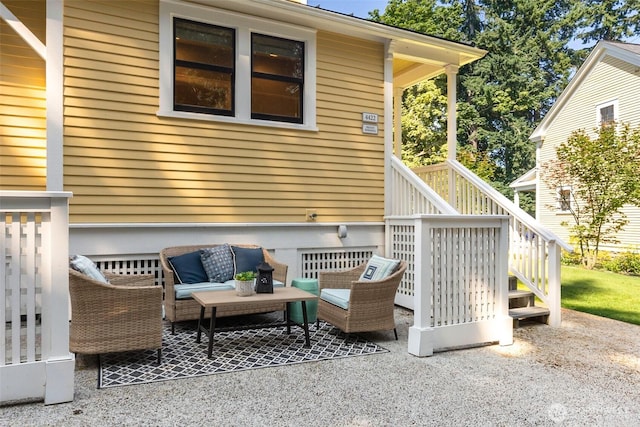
pixel 55 99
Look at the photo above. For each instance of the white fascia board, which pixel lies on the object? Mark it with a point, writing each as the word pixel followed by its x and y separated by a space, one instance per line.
pixel 527 181
pixel 300 14
pixel 601 50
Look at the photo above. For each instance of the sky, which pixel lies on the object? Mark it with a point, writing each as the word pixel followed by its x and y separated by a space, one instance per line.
pixel 359 8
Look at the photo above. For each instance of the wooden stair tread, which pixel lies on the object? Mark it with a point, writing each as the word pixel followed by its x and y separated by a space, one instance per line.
pixel 527 312
pixel 519 294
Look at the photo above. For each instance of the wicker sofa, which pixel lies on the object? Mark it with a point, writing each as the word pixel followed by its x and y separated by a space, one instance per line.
pixel 181 309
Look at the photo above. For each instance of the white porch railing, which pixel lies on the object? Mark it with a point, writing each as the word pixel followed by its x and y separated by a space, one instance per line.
pixel 457 265
pixel 534 252
pixel 410 195
pixel 35 362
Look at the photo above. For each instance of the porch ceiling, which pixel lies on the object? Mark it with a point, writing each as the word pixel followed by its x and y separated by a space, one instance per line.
pixel 415 61
pixel 407 73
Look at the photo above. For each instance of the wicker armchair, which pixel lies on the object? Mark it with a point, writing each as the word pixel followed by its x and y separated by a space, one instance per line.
pixel 371 303
pixel 124 315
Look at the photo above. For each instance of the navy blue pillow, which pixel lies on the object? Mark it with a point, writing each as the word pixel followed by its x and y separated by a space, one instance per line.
pixel 188 268
pixel 247 259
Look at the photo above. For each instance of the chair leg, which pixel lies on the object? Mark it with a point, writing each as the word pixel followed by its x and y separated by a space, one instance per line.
pixel 159 356
pixel 395 333
pixel 173 328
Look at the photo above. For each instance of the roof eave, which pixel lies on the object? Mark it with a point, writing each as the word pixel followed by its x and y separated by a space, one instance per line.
pixel 301 14
pixel 601 49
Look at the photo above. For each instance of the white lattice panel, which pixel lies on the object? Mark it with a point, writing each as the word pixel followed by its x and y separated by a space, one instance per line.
pixel 464 275
pixel 140 264
pixel 312 262
pixel 402 246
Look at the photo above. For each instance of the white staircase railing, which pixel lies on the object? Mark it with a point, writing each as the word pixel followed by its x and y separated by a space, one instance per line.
pixel 534 252
pixel 410 195
pixel 35 362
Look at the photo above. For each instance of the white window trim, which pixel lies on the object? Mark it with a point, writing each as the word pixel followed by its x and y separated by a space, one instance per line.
pixel 559 199
pixel 614 103
pixel 244 26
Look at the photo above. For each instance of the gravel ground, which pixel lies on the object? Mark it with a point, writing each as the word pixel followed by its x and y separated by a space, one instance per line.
pixel 584 373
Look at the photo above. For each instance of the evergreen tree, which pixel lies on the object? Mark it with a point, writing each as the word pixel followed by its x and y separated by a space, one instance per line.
pixel 612 20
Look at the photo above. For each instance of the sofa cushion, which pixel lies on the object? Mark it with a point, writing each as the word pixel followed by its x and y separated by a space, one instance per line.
pixel 188 268
pixel 246 259
pixel 85 266
pixel 217 263
pixel 184 290
pixel 379 268
pixel 339 297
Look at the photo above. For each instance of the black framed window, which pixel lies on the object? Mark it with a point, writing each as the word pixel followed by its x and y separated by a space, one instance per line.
pixel 204 68
pixel 277 79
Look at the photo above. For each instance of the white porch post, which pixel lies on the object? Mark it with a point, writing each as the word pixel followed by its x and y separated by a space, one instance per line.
pixel 452 140
pixel 421 334
pixel 388 124
pixel 397 121
pixel 60 363
pixel 54 76
pixel 554 284
pixel 452 72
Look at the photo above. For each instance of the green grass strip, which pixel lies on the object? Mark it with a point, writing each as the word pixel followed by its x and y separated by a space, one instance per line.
pixel 602 293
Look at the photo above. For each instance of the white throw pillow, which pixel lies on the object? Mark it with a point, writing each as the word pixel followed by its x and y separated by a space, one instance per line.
pixel 85 266
pixel 378 268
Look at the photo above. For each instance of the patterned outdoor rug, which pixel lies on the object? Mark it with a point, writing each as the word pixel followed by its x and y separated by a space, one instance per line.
pixel 233 351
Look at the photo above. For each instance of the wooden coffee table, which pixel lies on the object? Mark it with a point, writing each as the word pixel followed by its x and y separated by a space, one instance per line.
pixel 215 299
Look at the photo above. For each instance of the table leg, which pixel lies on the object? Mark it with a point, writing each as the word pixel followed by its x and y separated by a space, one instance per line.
pixel 212 328
pixel 200 319
pixel 306 323
pixel 288 317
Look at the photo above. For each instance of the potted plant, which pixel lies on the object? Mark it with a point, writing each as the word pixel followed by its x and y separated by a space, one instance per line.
pixel 245 282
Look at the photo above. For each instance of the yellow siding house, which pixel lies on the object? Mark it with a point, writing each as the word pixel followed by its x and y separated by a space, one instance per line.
pixel 185 122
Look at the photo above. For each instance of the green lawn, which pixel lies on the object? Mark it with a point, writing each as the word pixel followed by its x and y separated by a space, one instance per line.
pixel 602 293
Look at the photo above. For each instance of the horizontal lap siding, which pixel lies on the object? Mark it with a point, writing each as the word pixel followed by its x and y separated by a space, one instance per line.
pixel 125 164
pixel 611 79
pixel 22 102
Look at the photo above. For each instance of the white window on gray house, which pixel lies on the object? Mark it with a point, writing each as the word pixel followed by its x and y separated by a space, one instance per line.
pixel 564 199
pixel 607 113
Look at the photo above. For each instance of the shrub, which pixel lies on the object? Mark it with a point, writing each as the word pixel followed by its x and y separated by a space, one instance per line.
pixel 625 262
pixel 571 258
